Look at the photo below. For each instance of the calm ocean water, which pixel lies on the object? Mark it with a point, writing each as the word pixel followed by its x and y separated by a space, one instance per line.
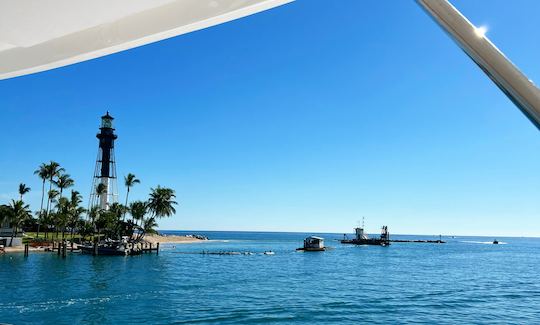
pixel 464 281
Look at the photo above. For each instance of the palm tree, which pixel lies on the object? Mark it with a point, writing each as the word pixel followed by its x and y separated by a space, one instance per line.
pixel 52 195
pixel 62 215
pixel 116 225
pixel 75 211
pixel 100 190
pixel 138 210
pixel 20 212
pixel 149 226
pixel 39 221
pixel 64 181
pixel 75 218
pixel 76 198
pixel 94 215
pixel 130 180
pixel 161 202
pixel 46 221
pixel 5 214
pixel 23 189
pixel 53 170
pixel 85 228
pixel 42 173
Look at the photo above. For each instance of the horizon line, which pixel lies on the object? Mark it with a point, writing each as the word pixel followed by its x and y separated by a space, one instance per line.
pixel 336 233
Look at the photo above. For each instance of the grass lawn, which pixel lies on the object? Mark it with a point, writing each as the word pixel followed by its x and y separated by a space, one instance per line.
pixel 50 236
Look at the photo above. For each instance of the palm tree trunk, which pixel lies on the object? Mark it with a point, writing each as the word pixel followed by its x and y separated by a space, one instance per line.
pixel 42 195
pixel 12 235
pixel 41 206
pixel 125 209
pixel 48 198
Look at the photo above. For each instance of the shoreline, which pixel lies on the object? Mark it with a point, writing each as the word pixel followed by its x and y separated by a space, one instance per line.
pixel 151 239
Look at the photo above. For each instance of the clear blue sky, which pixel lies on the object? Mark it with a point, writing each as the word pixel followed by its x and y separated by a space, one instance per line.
pixel 303 118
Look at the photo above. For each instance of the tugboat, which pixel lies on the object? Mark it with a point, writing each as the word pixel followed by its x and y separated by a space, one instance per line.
pixel 313 244
pixel 363 239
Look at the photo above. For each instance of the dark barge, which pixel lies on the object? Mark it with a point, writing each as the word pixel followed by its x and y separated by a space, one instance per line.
pixel 362 239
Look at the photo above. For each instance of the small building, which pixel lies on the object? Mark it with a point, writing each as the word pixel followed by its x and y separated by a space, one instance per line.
pixel 5 236
pixel 313 243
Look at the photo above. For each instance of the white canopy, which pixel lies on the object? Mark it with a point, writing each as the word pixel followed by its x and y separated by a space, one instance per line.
pixel 37 35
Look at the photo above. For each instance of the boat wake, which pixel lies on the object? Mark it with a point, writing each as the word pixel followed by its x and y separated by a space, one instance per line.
pixel 482 242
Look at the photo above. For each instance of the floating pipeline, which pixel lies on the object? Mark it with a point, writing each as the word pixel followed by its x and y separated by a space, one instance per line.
pixel 438 241
pixel 226 253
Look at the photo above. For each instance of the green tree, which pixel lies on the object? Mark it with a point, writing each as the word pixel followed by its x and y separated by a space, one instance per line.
pixel 130 180
pixel 63 181
pixel 94 215
pixel 138 211
pixel 20 212
pixel 75 212
pixel 53 170
pixel 61 216
pixel 5 214
pixel 51 217
pixel 43 174
pixel 85 228
pixel 23 189
pixel 161 202
pixel 100 190
pixel 149 226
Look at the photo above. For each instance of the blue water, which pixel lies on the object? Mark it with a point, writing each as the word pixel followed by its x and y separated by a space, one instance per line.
pixel 464 281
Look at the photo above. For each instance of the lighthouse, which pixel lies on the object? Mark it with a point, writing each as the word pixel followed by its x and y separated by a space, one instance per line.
pixel 104 188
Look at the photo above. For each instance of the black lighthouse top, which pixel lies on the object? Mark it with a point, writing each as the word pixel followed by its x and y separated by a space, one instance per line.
pixel 106 138
pixel 106 121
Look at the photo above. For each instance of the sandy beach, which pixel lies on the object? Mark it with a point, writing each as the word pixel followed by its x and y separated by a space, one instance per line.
pixel 172 239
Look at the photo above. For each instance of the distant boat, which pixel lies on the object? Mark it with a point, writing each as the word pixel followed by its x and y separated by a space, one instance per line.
pixel 313 244
pixel 495 242
pixel 269 253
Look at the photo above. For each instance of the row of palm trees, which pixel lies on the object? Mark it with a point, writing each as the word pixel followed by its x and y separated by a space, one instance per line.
pixel 63 214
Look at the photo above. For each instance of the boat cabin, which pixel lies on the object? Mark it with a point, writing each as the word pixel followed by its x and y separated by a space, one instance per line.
pixel 360 234
pixel 313 243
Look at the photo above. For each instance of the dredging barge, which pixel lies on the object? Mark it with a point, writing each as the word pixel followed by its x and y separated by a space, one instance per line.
pixel 363 239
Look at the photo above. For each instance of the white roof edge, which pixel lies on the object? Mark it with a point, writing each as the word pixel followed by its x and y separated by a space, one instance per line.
pixel 32 58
